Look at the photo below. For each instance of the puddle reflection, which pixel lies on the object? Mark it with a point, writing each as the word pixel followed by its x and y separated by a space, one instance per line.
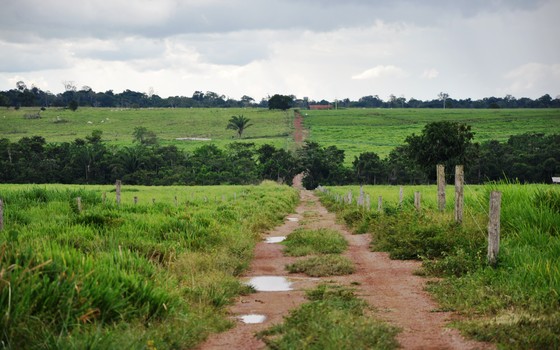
pixel 270 284
pixel 252 318
pixel 275 239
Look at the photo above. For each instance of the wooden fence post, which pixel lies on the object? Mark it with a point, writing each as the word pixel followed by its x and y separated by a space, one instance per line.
pixel 104 198
pixel 118 191
pixel 380 204
pixel 459 194
pixel 368 203
pixel 417 199
pixel 135 200
pixel 401 195
pixel 494 227
pixel 1 215
pixel 176 202
pixel 79 204
pixel 441 186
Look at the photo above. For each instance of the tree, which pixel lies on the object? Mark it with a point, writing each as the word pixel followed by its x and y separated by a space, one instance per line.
pixel 368 167
pixel 144 136
pixel 322 166
pixel 443 96
pixel 238 123
pixel 280 102
pixel 440 143
pixel 73 105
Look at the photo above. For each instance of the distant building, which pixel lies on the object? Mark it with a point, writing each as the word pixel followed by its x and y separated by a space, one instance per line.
pixel 319 107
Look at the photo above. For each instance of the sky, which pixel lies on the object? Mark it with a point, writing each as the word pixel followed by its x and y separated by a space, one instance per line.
pixel 320 49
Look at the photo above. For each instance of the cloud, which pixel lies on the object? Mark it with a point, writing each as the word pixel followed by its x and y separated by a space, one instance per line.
pixel 431 73
pixel 528 77
pixel 381 72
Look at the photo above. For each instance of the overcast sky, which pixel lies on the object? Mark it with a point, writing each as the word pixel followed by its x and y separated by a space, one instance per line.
pixel 309 48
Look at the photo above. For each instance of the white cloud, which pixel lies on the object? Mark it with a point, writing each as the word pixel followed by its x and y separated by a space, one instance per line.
pixel 527 77
pixel 381 71
pixel 431 73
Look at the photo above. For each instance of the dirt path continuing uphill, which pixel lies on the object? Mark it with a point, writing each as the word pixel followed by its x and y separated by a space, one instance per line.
pixel 299 131
pixel 387 285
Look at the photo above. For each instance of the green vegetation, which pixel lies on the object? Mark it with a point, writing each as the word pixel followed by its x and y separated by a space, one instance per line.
pixel 323 265
pixel 516 304
pixel 381 130
pixel 334 318
pixel 61 125
pixel 152 275
pixel 321 241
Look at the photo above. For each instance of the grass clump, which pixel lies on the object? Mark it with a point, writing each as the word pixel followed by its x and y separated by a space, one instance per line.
pixel 334 318
pixel 322 241
pixel 323 265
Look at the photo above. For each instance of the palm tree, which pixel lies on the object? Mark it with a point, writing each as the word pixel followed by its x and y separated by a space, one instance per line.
pixel 238 123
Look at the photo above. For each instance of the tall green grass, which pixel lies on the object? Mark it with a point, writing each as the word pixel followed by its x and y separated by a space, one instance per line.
pixel 516 304
pixel 131 275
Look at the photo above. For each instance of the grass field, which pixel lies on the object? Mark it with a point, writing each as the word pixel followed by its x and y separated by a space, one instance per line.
pixel 353 130
pixel 62 125
pixel 381 130
pixel 516 304
pixel 135 276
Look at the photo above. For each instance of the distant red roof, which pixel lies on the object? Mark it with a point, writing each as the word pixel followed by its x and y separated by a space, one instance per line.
pixel 329 106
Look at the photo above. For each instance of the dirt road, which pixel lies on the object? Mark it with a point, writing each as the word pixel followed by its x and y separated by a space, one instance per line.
pixel 387 285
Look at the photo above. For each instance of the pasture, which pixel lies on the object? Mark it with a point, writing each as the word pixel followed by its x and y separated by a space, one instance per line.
pixel 381 130
pixel 117 125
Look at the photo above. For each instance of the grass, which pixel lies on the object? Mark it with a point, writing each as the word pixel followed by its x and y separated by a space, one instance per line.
pixel 271 127
pixel 334 318
pixel 515 305
pixel 135 276
pixel 381 130
pixel 323 265
pixel 321 241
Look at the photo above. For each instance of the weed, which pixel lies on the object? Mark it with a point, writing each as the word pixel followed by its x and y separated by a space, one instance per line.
pixel 323 265
pixel 322 241
pixel 334 318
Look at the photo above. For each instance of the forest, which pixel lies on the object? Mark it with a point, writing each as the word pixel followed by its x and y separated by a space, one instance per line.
pixel 527 158
pixel 74 97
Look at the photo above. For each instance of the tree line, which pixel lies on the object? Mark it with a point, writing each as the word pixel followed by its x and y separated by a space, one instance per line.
pixel 527 157
pixel 74 97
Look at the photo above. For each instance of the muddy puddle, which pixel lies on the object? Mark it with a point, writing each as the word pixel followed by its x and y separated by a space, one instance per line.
pixel 277 239
pixel 270 284
pixel 252 318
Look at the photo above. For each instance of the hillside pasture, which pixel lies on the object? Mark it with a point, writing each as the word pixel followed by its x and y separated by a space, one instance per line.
pixel 169 124
pixel 381 130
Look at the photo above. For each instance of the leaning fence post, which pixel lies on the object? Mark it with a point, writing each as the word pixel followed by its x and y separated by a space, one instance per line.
pixel 118 191
pixel 1 215
pixel 494 227
pixel 417 199
pixel 459 194
pixel 441 186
